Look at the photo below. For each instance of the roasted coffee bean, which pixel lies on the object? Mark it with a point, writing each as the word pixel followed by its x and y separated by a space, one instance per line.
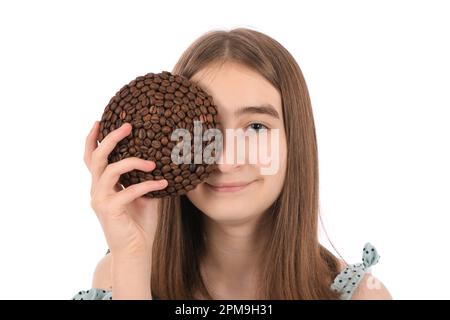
pixel 200 170
pixel 150 134
pixel 166 129
pixel 168 176
pixel 167 113
pixel 185 174
pixel 166 169
pixel 156 144
pixel 165 160
pixel 155 105
pixel 164 141
pixel 212 110
pixel 142 134
pixel 166 151
pixel 156 128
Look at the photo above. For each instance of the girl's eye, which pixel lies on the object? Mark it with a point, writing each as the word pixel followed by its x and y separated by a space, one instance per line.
pixel 257 126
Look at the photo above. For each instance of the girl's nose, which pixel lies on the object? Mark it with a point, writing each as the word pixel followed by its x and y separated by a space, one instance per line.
pixel 227 163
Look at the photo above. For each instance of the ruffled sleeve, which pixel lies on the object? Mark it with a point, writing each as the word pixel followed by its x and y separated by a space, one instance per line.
pixel 348 279
pixel 93 294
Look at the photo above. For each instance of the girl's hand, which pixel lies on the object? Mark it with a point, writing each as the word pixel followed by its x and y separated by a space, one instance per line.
pixel 128 220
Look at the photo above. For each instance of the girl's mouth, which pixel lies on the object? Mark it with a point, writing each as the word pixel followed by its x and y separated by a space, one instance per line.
pixel 229 187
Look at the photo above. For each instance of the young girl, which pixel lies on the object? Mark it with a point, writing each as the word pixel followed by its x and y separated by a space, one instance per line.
pixel 239 234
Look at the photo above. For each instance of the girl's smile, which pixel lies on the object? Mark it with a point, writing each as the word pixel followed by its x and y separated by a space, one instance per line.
pixel 231 187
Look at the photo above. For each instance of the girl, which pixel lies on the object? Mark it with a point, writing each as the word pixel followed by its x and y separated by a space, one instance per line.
pixel 239 234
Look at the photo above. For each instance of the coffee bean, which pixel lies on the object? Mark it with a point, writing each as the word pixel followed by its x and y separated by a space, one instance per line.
pixel 167 113
pixel 142 134
pixel 156 128
pixel 185 174
pixel 156 144
pixel 166 129
pixel 166 151
pixel 147 142
pixel 175 118
pixel 154 119
pixel 165 160
pixel 166 169
pixel 168 176
pixel 155 105
pixel 200 170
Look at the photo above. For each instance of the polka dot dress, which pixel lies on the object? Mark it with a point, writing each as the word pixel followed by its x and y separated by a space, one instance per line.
pixel 348 279
pixel 345 282
pixel 93 294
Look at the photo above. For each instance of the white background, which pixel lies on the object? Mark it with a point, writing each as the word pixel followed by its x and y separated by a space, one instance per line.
pixel 378 74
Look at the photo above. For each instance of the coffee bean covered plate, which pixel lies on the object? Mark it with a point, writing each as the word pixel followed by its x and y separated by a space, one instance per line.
pixel 156 105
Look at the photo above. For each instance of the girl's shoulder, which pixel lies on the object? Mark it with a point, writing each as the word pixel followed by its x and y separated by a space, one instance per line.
pixel 101 288
pixel 356 282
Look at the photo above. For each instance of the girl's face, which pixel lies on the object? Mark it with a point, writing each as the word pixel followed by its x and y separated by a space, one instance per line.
pixel 238 192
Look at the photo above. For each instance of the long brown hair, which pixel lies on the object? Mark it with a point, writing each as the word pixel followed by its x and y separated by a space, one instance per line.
pixel 296 265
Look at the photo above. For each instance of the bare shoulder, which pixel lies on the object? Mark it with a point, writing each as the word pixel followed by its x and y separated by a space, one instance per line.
pixel 369 288
pixel 103 275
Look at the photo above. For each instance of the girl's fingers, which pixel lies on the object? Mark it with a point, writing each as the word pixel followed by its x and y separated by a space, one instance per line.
pixel 100 155
pixel 112 173
pixel 91 144
pixel 135 191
